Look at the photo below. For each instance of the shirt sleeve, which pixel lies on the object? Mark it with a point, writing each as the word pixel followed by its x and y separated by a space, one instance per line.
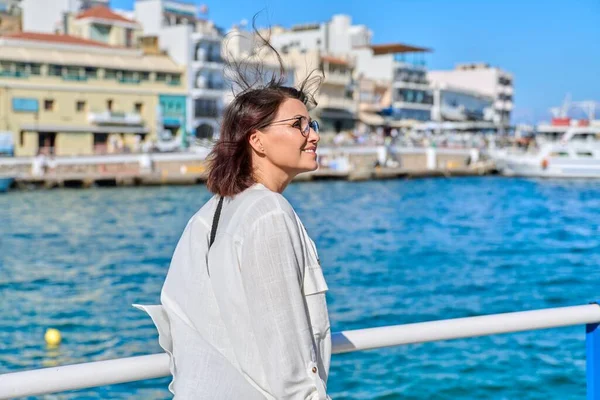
pixel 272 268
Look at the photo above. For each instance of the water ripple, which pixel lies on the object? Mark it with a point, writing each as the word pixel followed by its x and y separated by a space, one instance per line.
pixel 394 252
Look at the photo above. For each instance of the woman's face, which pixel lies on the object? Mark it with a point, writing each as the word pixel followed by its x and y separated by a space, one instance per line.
pixel 284 143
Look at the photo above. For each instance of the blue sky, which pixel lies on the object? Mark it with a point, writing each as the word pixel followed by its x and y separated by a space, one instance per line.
pixel 552 47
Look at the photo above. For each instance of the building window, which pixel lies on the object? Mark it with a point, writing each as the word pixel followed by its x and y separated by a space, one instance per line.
pixel 80 106
pixel 144 76
pixel 35 69
pixel 129 77
pixel 91 72
pixel 5 66
pixel 100 32
pixel 100 143
pixel 175 79
pixel 138 107
pixel 73 73
pixel 205 108
pixel 55 70
pixel 161 77
pixel 109 104
pixel 49 105
pixel 110 74
pixel 21 69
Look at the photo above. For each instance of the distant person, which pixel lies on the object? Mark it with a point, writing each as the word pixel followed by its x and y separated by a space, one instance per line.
pixel 40 164
pixel 243 311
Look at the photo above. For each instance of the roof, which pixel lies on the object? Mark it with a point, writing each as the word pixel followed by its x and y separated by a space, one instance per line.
pixel 394 48
pixel 55 38
pixel 334 60
pixel 103 12
pixel 102 56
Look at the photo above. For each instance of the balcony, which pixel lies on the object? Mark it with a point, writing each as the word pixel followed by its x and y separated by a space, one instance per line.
pixel 336 78
pixel 76 78
pixel 413 77
pixel 205 34
pixel 416 65
pixel 129 80
pixel 505 105
pixel 14 74
pixel 412 106
pixel 337 102
pixel 212 93
pixel 508 90
pixel 411 85
pixel 114 118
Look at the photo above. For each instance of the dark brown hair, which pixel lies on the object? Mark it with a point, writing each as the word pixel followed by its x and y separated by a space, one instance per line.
pixel 253 107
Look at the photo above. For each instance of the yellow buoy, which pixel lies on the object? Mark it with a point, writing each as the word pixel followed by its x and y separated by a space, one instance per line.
pixel 52 337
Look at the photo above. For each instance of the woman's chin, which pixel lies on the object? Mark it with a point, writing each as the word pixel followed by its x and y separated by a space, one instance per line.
pixel 306 167
pixel 312 167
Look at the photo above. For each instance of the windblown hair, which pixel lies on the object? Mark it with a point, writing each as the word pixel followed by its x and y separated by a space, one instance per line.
pixel 257 96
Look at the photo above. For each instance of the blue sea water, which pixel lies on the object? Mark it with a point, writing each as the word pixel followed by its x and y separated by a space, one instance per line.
pixel 393 252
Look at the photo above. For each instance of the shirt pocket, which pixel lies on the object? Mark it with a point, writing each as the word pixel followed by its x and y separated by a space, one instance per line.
pixel 315 289
pixel 314 281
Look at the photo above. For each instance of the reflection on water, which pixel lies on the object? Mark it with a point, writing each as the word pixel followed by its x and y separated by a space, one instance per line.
pixel 393 252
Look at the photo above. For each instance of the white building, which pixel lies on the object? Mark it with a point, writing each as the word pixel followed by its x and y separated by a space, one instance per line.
pixel 485 80
pixel 195 43
pixel 45 16
pixel 258 64
pixel 336 37
pixel 327 46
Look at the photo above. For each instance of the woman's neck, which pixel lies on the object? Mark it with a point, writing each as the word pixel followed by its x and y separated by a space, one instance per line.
pixel 275 180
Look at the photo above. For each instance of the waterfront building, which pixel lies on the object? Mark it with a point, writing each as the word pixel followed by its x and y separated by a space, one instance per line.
pixel 194 43
pixel 484 79
pixel 399 67
pixel 327 46
pixel 337 107
pixel 336 37
pixel 49 16
pixel 101 24
pixel 65 95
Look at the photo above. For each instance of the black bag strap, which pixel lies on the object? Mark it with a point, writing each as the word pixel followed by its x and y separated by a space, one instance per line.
pixel 213 230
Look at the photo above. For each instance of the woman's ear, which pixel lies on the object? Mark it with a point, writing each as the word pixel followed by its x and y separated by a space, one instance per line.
pixel 255 141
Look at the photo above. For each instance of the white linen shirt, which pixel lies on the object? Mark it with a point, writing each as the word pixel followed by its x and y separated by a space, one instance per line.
pixel 247 319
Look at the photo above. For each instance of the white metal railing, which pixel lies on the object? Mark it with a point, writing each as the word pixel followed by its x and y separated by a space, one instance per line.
pixel 100 373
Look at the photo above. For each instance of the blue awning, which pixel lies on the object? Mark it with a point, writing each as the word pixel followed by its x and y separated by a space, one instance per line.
pixel 171 122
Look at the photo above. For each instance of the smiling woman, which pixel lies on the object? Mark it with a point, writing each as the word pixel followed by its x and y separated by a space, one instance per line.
pixel 243 311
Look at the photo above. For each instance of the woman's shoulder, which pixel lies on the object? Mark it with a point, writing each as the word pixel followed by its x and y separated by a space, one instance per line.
pixel 202 219
pixel 260 204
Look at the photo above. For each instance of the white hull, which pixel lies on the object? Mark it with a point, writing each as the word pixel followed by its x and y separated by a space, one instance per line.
pixel 571 158
pixel 556 168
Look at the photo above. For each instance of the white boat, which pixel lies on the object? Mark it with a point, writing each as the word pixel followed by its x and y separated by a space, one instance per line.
pixel 576 155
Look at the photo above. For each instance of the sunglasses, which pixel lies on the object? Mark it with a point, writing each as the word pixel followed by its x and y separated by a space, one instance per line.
pixel 302 123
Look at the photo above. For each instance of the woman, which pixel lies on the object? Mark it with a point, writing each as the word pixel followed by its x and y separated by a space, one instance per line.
pixel 243 312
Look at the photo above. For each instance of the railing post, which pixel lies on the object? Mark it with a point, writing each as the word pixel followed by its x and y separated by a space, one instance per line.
pixel 592 357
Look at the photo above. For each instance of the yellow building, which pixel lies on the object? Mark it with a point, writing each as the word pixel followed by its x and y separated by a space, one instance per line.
pixel 66 95
pixel 103 25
